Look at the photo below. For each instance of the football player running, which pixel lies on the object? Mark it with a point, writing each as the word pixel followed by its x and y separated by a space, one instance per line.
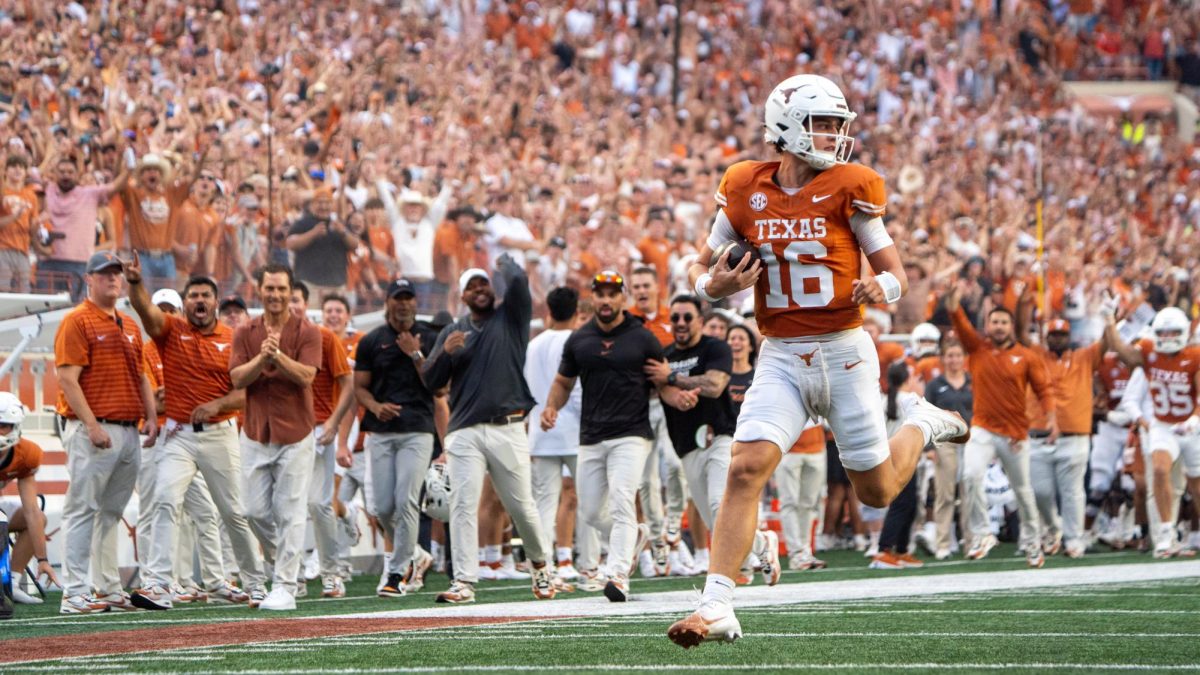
pixel 811 216
pixel 1171 383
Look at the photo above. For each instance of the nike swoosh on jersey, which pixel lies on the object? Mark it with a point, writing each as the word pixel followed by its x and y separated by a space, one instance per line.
pixel 849 366
pixel 100 338
pixel 818 200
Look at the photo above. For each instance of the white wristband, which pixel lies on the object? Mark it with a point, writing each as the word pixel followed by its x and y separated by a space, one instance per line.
pixel 701 283
pixel 891 287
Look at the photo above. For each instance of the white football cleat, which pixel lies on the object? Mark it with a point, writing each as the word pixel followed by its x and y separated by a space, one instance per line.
pixel 695 629
pixel 939 426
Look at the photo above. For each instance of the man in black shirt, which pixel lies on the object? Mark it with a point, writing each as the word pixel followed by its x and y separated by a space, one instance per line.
pixel 399 423
pixel 609 353
pixel 482 357
pixel 320 244
pixel 702 434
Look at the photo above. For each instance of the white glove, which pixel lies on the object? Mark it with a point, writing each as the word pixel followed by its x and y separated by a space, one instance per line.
pixel 1189 427
pixel 1119 417
pixel 1109 306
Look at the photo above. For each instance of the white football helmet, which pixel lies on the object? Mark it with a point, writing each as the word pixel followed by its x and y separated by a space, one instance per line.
pixel 11 412
pixel 436 504
pixel 923 334
pixel 789 114
pixel 1171 330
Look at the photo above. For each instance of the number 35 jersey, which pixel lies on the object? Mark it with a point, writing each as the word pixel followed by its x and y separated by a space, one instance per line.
pixel 1171 379
pixel 807 244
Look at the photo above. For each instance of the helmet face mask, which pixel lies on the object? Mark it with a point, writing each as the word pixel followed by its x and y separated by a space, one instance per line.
pixel 924 340
pixel 791 115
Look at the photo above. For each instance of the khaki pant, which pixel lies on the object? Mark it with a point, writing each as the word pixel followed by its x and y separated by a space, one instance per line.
pixel 501 451
pixel 547 491
pixel 187 456
pixel 800 477
pixel 1056 471
pixel 396 466
pixel 275 480
pixel 662 466
pixel 983 447
pixel 102 481
pixel 320 504
pixel 15 272
pixel 945 484
pixel 607 484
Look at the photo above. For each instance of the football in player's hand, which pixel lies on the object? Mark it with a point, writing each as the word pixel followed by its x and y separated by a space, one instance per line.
pixel 737 250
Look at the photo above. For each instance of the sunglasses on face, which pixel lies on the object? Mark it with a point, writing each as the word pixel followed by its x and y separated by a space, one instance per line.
pixel 686 318
pixel 608 278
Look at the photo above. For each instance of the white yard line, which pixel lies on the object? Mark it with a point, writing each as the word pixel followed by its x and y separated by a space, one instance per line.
pixel 820 591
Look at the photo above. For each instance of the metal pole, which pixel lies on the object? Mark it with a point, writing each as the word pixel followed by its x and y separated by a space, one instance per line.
pixel 675 56
pixel 1043 299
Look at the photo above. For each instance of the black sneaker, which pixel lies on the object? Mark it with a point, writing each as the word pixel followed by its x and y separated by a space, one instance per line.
pixel 394 588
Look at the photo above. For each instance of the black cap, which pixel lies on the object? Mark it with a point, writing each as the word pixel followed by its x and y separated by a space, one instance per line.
pixel 102 260
pixel 231 300
pixel 401 286
pixel 558 242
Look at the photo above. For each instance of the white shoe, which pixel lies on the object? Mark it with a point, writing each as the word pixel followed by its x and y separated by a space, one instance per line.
pixel 118 602
pixel 678 569
pixel 982 548
pixel 646 564
pixel 81 604
pixel 768 555
pixel 312 566
pixel 617 589
pixel 459 593
pixel 154 597
pixel 860 542
pixel 414 579
pixel 257 597
pixel 925 537
pixel 332 587
pixel 510 572
pixel 383 579
pixel 872 551
pixel 20 597
pixel 673 530
pixel 566 571
pixel 942 554
pixel 489 571
pixel 803 560
pixel 695 629
pixel 939 426
pixel 228 594
pixel 700 564
pixel 279 600
pixel 591 581
pixel 183 596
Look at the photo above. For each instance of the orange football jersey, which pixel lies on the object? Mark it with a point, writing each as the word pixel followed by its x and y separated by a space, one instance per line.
pixel 1172 381
pixel 1114 375
pixel 810 253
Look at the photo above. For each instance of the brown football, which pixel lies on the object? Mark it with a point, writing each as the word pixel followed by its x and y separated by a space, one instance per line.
pixel 737 250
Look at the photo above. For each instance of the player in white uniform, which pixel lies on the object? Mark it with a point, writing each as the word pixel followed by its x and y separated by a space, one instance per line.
pixel 1167 402
pixel 812 217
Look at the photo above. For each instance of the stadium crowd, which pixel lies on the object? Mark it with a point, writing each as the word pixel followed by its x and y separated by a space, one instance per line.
pixel 389 153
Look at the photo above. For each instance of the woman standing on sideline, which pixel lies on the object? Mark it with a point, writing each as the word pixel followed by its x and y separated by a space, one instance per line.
pixel 745 353
pixel 893 554
pixel 950 391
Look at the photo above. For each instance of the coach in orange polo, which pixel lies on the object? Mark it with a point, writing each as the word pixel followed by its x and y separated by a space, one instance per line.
pixel 201 426
pixel 275 359
pixel 104 392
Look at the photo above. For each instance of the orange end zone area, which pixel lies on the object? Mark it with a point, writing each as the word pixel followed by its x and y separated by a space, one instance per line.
pixel 221 633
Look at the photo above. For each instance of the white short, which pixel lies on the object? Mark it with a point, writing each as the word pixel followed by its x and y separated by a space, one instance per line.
pixel 1163 437
pixel 836 380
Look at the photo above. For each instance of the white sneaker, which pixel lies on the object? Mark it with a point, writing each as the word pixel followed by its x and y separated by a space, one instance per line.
pixel 860 542
pixel 312 566
pixel 673 530
pixel 20 597
pixel 646 564
pixel 510 572
pixel 566 571
pixel 154 597
pixel 982 547
pixel 459 592
pixel 942 554
pixel 939 426
pixel 228 594
pixel 872 550
pixel 118 602
pixel 543 584
pixel 678 569
pixel 257 596
pixel 695 629
pixel 183 596
pixel 767 550
pixel 81 604
pixel 279 600
pixel 804 560
pixel 926 536
pixel 489 571
pixel 700 561
pixel 332 587
pixel 1034 557
pixel 591 581
pixel 414 579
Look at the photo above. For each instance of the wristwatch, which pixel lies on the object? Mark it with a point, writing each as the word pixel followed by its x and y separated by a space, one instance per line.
pixel 672 378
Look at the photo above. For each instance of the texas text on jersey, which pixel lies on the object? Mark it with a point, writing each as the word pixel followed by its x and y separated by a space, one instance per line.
pixel 1171 378
pixel 807 240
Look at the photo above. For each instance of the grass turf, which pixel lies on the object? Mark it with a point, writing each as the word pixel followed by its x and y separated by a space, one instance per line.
pixel 1149 625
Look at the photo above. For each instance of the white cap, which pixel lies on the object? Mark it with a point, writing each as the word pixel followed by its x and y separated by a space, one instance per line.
pixel 168 296
pixel 470 274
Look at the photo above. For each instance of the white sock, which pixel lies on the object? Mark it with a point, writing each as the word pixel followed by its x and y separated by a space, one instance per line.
pixel 435 550
pixel 506 560
pixel 491 554
pixel 717 598
pixel 563 554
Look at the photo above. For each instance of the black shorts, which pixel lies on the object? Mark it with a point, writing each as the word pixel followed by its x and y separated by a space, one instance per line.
pixel 836 473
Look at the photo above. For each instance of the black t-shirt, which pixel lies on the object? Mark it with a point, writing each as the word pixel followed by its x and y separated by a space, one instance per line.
pixel 323 262
pixel 394 379
pixel 616 393
pixel 690 429
pixel 738 384
pixel 942 394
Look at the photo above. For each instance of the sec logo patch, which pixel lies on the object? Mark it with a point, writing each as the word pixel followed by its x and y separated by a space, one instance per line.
pixel 758 201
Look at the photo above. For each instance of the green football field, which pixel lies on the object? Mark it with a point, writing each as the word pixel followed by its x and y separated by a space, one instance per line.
pixel 1110 612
